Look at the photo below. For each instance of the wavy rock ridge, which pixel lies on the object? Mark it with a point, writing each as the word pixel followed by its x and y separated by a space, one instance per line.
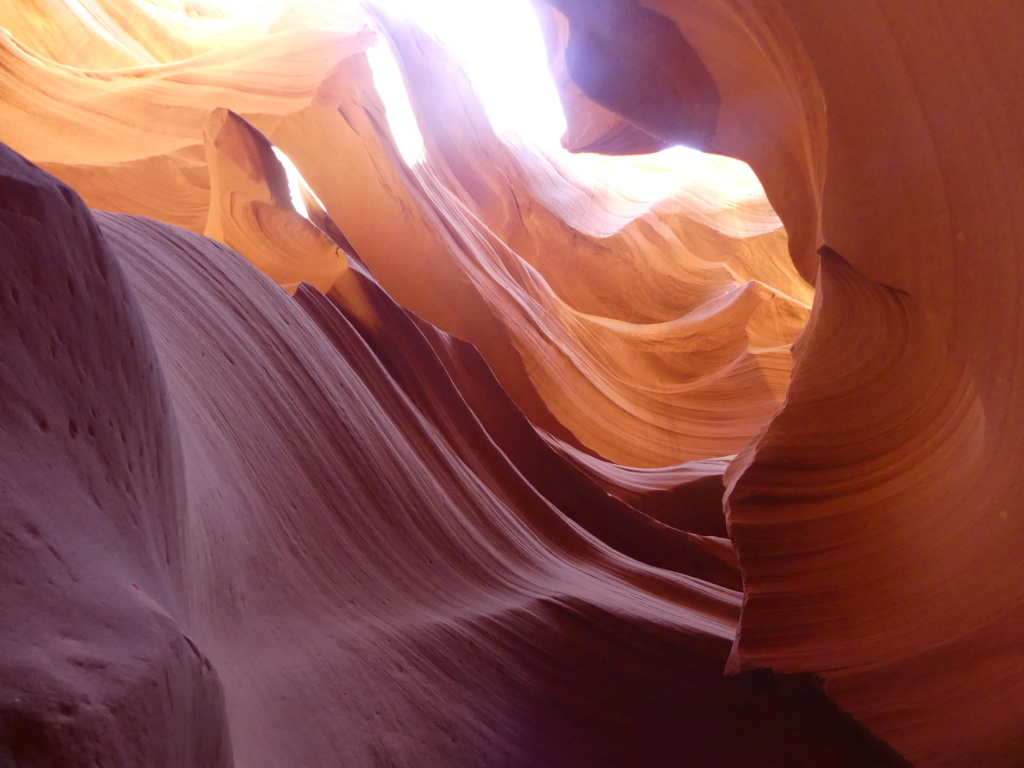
pixel 483 461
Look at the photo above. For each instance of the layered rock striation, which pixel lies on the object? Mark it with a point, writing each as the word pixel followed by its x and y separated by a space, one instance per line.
pixel 479 460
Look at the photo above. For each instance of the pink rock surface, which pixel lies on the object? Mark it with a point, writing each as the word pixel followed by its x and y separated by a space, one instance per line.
pixel 877 517
pixel 236 519
pixel 488 463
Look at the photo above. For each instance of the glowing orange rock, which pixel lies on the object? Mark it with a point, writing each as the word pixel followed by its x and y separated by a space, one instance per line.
pixel 876 519
pixel 464 490
pixel 251 209
pixel 213 486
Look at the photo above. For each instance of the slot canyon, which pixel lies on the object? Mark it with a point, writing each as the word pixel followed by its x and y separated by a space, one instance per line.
pixel 647 400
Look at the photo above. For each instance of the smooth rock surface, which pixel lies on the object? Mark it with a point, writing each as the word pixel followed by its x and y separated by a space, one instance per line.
pixel 492 458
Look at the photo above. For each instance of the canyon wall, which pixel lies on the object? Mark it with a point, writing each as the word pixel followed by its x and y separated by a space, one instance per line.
pixel 482 460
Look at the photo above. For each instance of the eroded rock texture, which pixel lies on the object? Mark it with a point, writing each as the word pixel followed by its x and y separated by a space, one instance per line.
pixel 483 461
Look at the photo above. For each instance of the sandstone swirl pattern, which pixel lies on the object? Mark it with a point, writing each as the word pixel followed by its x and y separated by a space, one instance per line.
pixel 481 462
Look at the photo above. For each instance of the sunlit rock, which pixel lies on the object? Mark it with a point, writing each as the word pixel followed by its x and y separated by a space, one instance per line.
pixel 359 406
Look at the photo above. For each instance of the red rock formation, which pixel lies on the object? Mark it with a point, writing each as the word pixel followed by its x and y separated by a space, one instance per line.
pixel 470 495
pixel 250 480
pixel 97 667
pixel 875 519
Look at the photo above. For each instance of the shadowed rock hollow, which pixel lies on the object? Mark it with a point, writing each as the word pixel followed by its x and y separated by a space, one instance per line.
pixel 490 459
